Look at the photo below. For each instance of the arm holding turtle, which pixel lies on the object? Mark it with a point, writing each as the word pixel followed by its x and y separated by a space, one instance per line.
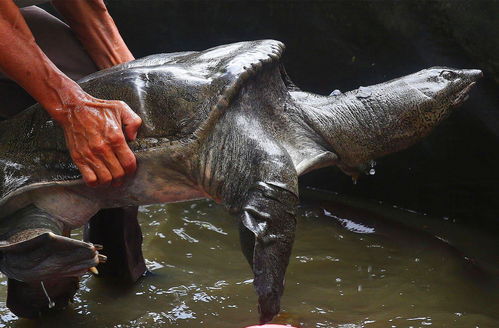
pixel 92 127
pixel 96 30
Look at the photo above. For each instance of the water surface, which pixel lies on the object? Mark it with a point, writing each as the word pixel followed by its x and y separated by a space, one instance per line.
pixel 353 265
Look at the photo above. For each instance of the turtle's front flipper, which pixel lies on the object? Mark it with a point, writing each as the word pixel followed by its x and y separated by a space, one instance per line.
pixel 267 234
pixel 243 165
pixel 31 248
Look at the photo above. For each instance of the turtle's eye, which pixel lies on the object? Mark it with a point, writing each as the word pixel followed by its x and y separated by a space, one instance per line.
pixel 448 75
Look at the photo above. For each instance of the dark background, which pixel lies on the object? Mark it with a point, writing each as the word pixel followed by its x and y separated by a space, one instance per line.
pixel 345 44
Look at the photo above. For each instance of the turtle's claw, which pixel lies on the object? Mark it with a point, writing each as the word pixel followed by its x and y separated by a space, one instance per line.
pixel 98 247
pixel 102 258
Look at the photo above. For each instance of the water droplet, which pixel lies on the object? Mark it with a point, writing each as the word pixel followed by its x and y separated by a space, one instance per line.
pixel 335 93
pixel 371 166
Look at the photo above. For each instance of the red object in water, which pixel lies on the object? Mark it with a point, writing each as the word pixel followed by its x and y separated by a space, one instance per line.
pixel 271 326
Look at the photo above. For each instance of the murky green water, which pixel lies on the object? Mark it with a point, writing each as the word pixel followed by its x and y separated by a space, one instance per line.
pixel 350 268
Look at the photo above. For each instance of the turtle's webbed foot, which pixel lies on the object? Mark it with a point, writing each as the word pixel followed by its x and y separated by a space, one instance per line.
pixel 33 251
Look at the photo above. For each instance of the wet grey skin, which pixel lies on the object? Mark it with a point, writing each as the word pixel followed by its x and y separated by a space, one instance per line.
pixel 226 123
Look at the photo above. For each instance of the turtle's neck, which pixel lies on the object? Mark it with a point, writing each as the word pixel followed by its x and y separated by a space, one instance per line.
pixel 333 127
pixel 307 148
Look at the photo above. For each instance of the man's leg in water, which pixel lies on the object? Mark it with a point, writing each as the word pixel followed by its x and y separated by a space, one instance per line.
pixel 116 229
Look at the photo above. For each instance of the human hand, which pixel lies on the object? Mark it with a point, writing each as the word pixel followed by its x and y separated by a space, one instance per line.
pixel 94 136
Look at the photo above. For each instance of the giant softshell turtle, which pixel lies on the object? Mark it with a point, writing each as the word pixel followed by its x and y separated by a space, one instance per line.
pixel 226 123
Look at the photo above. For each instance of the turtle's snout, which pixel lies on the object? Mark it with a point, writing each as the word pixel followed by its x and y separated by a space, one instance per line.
pixel 469 77
pixel 473 74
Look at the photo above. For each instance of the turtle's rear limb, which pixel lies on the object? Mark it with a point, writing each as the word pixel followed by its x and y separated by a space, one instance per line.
pixel 32 251
pixel 28 300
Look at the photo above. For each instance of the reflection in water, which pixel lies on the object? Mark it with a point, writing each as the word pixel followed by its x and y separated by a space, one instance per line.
pixel 345 271
pixel 349 224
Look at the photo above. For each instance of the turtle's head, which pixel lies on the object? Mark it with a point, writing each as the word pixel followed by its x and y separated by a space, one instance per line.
pixel 445 88
pixel 373 121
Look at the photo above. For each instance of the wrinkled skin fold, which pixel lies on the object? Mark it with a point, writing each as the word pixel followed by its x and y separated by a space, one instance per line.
pixel 225 123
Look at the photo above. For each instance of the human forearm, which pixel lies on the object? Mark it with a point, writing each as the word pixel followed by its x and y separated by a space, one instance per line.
pixel 94 27
pixel 93 127
pixel 24 62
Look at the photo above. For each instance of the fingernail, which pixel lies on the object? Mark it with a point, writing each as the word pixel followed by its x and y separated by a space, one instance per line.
pixel 98 247
pixel 93 270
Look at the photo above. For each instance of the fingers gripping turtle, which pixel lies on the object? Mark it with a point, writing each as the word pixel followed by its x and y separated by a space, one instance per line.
pixel 267 233
pixel 33 250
